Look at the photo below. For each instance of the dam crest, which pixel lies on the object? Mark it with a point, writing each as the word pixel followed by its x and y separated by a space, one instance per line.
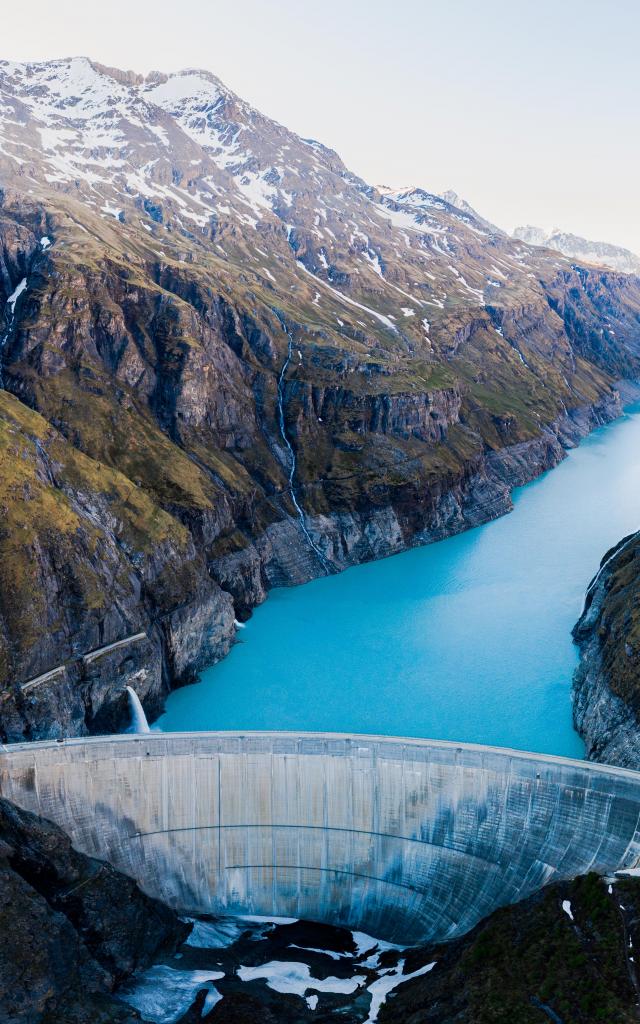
pixel 409 840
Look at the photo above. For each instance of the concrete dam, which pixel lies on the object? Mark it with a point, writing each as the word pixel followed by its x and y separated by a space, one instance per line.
pixel 408 840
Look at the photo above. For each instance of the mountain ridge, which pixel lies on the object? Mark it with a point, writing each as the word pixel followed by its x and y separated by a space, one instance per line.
pixel 600 253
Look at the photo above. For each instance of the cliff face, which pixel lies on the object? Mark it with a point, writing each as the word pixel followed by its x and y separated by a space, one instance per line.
pixel 72 928
pixel 228 363
pixel 607 681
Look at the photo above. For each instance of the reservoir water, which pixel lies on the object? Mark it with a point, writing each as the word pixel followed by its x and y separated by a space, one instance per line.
pixel 468 639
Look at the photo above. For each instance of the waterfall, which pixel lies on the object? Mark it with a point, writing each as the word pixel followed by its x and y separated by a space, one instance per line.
pixel 10 316
pixel 290 451
pixel 616 551
pixel 138 718
pixel 10 306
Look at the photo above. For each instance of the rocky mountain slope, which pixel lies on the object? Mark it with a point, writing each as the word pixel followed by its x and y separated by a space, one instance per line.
pixel 228 363
pixel 455 200
pixel 600 253
pixel 607 682
pixel 71 928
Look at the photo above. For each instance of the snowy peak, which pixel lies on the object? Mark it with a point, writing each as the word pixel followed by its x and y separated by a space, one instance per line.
pixel 447 202
pixel 454 199
pixel 414 196
pixel 427 207
pixel 73 89
pixel 182 164
pixel 532 235
pixel 600 253
pixel 186 92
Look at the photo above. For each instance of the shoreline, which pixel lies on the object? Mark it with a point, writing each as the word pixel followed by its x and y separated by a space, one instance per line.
pixel 505 472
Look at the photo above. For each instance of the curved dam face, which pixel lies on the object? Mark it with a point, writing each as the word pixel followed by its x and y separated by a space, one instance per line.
pixel 408 840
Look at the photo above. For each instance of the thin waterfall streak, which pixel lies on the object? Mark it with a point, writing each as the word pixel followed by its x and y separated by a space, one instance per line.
pixel 11 306
pixel 292 455
pixel 3 341
pixel 594 582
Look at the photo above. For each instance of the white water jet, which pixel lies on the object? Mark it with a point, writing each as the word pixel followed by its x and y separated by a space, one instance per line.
pixel 138 718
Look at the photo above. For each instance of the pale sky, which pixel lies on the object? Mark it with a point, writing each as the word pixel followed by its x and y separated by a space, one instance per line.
pixel 527 108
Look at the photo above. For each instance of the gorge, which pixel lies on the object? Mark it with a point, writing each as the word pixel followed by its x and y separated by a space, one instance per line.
pixel 468 639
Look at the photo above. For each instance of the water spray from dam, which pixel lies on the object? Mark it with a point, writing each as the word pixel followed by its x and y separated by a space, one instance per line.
pixel 138 718
pixel 408 840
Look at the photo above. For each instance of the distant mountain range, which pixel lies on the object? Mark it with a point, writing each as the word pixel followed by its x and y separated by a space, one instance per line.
pixel 601 253
pixel 228 363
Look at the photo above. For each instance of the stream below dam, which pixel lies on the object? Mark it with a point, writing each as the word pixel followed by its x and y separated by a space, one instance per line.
pixel 468 639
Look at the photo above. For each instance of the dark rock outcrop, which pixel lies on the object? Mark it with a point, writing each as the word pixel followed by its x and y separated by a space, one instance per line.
pixel 71 928
pixel 565 955
pixel 606 687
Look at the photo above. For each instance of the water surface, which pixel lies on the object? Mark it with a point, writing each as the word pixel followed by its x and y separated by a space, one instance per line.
pixel 468 639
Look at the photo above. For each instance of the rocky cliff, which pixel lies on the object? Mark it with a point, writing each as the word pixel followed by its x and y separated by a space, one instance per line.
pixel 71 928
pixel 229 363
pixel 607 682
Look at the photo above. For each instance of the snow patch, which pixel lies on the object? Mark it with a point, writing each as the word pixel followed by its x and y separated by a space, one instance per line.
pixel 15 295
pixel 387 982
pixel 215 934
pixel 163 994
pixel 296 979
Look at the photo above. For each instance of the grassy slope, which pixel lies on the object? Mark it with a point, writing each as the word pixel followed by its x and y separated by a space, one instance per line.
pixel 531 963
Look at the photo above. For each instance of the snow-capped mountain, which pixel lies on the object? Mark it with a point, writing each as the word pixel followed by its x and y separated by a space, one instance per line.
pixel 183 158
pixel 229 363
pixel 462 204
pixel 600 253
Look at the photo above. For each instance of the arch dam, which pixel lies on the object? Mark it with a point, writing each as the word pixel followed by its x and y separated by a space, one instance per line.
pixel 408 840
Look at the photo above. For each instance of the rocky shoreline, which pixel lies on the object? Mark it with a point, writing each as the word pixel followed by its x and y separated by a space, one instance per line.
pixel 281 556
pixel 606 684
pixel 72 929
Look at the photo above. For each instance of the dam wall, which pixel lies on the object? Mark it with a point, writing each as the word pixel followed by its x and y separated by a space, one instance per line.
pixel 408 840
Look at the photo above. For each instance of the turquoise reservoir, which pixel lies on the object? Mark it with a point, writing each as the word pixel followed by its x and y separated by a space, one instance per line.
pixel 468 639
